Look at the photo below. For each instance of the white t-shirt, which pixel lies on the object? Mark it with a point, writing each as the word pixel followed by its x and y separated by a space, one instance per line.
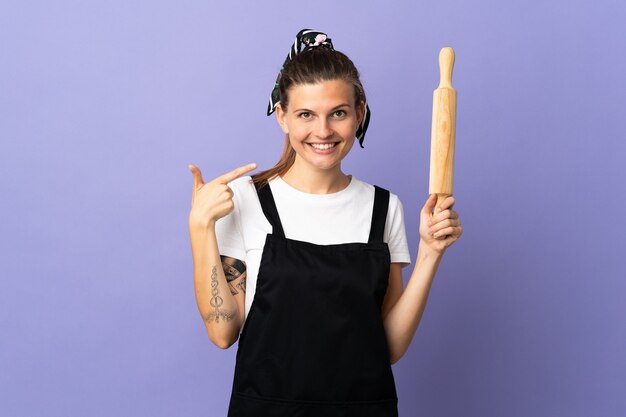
pixel 323 219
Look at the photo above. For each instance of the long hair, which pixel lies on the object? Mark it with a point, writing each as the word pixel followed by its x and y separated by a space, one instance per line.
pixel 310 67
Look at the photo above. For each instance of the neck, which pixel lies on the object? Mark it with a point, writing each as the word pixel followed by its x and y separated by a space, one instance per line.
pixel 316 181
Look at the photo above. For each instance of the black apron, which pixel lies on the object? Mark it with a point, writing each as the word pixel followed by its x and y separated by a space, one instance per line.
pixel 313 344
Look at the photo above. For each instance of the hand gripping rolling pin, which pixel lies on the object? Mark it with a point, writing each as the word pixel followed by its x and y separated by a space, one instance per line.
pixel 443 130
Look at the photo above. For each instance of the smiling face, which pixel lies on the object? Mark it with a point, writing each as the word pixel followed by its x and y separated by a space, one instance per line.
pixel 321 122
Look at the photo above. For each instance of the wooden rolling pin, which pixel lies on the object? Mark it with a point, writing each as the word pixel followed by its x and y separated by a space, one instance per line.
pixel 443 130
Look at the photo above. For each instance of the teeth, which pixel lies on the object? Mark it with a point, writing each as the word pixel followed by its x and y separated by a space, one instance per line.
pixel 324 146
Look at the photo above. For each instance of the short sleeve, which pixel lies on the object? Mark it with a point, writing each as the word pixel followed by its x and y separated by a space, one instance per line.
pixel 228 230
pixel 395 232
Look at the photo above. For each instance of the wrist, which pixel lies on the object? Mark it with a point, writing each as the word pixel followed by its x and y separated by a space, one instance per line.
pixel 424 251
pixel 201 225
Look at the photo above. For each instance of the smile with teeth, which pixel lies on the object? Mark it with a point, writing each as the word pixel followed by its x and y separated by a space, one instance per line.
pixel 323 145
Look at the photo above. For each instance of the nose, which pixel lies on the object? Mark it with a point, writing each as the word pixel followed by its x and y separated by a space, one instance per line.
pixel 324 130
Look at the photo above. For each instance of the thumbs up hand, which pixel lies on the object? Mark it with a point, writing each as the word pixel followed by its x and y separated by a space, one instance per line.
pixel 213 200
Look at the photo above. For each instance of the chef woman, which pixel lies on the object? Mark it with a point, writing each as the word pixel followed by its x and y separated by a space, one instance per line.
pixel 302 263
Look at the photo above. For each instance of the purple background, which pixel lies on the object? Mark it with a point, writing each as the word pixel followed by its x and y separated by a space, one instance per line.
pixel 103 104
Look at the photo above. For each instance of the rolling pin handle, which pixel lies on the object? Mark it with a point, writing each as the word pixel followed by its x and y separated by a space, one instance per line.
pixel 446 63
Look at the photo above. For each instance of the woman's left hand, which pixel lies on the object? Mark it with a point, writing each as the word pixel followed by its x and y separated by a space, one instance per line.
pixel 439 230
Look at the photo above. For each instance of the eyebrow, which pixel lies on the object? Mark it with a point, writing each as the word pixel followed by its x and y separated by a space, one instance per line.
pixel 333 109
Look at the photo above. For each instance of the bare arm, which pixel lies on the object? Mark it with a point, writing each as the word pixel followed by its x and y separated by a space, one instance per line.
pixel 220 284
pixel 403 309
pixel 215 279
pixel 235 273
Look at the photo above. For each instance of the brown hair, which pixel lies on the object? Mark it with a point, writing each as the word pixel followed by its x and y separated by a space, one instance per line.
pixel 310 67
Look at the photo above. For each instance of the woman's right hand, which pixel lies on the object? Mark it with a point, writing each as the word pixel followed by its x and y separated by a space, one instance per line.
pixel 213 200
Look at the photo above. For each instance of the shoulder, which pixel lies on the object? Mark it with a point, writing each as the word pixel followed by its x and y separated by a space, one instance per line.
pixel 243 187
pixel 241 182
pixel 367 188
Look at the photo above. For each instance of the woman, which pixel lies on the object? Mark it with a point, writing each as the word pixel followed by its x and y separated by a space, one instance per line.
pixel 324 313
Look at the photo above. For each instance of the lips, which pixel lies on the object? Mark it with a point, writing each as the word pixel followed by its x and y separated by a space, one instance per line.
pixel 323 146
pixel 325 149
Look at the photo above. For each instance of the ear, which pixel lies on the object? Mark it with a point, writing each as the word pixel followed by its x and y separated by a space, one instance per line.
pixel 281 117
pixel 360 113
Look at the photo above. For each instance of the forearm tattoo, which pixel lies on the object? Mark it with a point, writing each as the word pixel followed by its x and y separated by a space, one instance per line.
pixel 233 270
pixel 217 301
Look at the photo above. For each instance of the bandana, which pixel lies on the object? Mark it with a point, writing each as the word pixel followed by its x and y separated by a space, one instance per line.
pixel 312 39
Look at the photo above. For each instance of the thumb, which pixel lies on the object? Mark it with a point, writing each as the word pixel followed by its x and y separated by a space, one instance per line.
pixel 430 204
pixel 197 175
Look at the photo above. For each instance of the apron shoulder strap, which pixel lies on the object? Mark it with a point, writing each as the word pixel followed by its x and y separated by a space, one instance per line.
pixel 379 215
pixel 269 208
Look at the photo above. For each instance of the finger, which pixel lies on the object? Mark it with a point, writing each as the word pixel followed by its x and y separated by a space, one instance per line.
pixel 441 234
pixel 441 225
pixel 447 214
pixel 430 204
pixel 439 216
pixel 448 203
pixel 235 173
pixel 197 176
pixel 444 232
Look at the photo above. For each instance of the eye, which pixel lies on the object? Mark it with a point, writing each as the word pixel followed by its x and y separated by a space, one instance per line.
pixel 340 113
pixel 304 115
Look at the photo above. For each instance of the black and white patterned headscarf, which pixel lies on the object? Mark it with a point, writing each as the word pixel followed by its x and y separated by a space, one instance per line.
pixel 311 39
